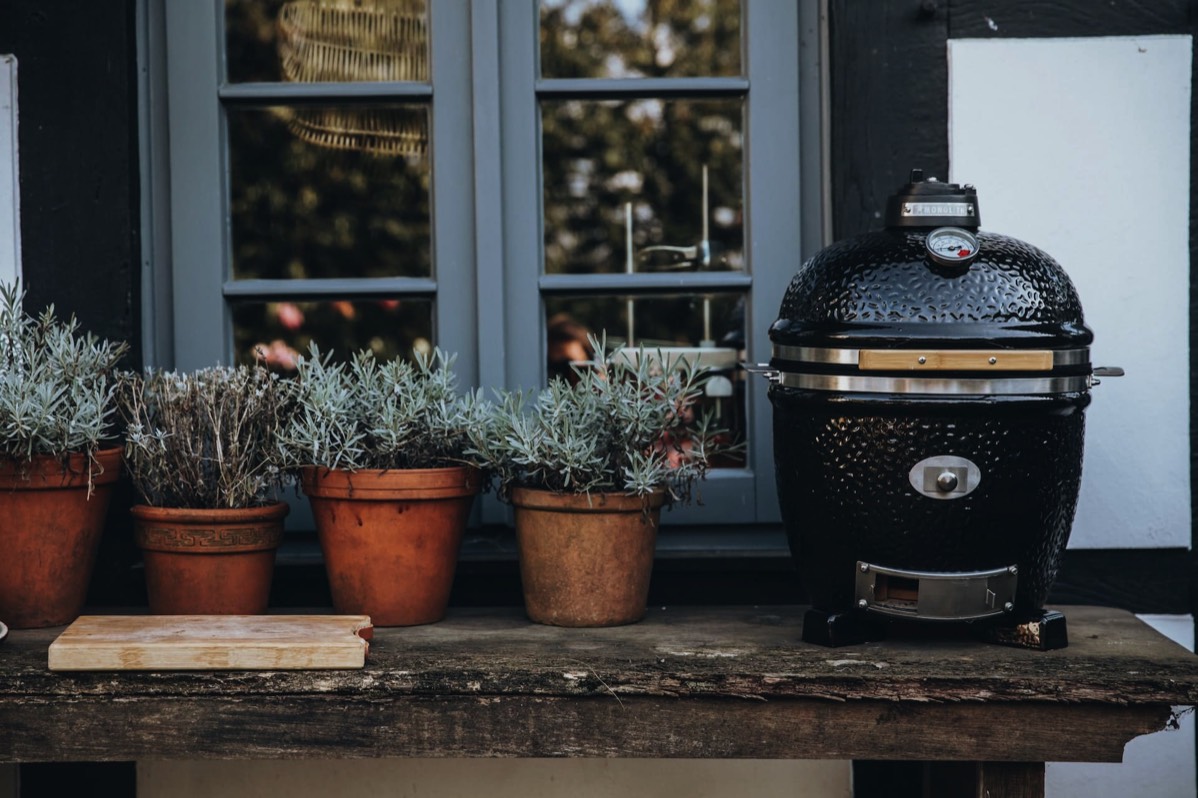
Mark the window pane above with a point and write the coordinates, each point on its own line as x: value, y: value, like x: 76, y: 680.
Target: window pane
x: 314, y: 41
x: 709, y: 329
x: 306, y: 203
x: 640, y: 38
x: 281, y: 330
x: 609, y: 166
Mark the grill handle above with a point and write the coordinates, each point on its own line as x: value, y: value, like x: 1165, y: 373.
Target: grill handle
x: 764, y: 369
x: 1105, y: 371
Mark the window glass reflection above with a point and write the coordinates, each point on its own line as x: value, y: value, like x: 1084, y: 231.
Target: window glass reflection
x: 706, y: 330
x: 305, y: 203
x: 314, y: 41
x: 661, y: 175
x: 275, y: 333
x: 640, y: 38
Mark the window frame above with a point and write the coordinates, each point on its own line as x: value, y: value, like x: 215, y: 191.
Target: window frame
x: 487, y: 200
x: 200, y: 98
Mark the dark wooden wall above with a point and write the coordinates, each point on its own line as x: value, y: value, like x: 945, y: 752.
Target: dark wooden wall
x: 80, y: 214
x: 77, y: 106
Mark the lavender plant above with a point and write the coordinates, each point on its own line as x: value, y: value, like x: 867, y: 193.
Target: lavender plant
x: 367, y: 414
x: 625, y: 425
x: 205, y: 439
x: 56, y: 383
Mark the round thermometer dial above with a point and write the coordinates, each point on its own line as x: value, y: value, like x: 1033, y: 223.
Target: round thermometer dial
x: 952, y: 246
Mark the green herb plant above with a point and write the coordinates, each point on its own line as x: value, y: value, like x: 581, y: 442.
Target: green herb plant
x: 367, y: 414
x: 205, y: 439
x: 56, y: 384
x: 626, y: 424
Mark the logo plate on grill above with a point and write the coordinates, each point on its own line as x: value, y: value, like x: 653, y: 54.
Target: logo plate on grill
x: 945, y: 477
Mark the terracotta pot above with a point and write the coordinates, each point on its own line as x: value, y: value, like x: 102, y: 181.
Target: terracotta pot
x: 585, y: 560
x: 391, y: 538
x: 209, y: 562
x: 49, y: 536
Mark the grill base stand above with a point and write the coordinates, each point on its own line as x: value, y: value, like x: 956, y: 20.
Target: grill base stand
x: 835, y: 629
x: 1041, y: 631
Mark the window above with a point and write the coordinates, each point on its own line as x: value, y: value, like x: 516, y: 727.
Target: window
x: 490, y: 178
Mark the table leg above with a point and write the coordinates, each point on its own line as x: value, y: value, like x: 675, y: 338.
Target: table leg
x: 984, y: 779
x: 1011, y: 780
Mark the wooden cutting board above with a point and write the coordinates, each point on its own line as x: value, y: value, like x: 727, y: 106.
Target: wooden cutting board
x: 212, y: 642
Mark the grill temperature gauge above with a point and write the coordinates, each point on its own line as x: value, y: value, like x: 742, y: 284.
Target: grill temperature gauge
x: 952, y: 246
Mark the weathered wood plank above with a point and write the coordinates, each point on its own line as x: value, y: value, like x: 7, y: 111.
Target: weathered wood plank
x: 379, y: 725
x: 717, y: 652
x: 211, y: 642
x: 688, y: 682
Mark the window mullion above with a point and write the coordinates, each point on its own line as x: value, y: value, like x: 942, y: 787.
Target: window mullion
x: 198, y: 231
x: 773, y: 199
x: 521, y: 211
x: 489, y: 195
x: 452, y: 164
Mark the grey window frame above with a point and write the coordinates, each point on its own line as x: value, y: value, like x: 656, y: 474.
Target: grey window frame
x: 199, y: 97
x: 487, y: 279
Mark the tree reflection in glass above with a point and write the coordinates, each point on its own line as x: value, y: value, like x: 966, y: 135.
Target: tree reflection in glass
x: 640, y: 38
x: 600, y: 156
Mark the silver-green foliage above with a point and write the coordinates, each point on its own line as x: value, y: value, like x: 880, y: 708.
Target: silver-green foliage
x: 205, y: 439
x: 625, y: 425
x: 56, y: 383
x: 367, y: 414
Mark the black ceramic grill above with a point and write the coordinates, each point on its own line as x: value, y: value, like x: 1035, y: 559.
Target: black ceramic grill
x: 929, y: 383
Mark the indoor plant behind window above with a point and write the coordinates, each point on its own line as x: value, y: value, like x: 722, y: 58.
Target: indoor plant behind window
x: 56, y: 407
x: 587, y: 471
x: 380, y: 447
x: 201, y: 448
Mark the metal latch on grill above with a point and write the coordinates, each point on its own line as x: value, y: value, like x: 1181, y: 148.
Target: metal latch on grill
x: 935, y: 596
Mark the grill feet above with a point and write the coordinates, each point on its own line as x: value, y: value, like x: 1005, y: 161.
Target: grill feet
x: 835, y: 629
x: 1043, y: 630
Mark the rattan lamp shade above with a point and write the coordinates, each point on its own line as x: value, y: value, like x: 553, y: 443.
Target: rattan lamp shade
x: 355, y: 41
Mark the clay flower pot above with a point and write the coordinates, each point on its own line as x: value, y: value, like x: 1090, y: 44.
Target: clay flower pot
x: 209, y: 562
x: 50, y: 535
x: 585, y: 560
x: 390, y: 538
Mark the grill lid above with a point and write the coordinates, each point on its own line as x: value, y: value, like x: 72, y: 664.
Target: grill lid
x: 987, y: 313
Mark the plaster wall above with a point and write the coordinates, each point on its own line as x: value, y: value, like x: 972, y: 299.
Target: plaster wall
x: 1082, y: 148
x: 504, y: 778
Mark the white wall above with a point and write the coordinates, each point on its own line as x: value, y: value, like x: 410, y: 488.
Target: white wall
x: 496, y: 778
x: 1082, y: 147
x: 10, y: 198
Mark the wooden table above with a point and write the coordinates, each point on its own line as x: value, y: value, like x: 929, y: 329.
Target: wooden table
x: 684, y: 683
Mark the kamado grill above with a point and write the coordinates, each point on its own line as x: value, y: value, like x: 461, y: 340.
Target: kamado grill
x: 929, y: 383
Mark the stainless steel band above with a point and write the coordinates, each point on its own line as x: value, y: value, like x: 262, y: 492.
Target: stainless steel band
x: 1022, y: 386
x: 851, y: 357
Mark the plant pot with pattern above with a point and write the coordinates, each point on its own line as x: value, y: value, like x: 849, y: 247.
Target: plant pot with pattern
x: 57, y: 461
x: 587, y: 469
x: 202, y: 450
x: 380, y: 450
